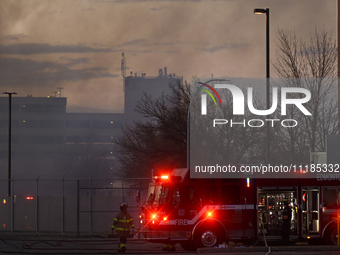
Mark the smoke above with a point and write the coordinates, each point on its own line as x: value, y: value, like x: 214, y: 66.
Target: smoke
x: 77, y: 45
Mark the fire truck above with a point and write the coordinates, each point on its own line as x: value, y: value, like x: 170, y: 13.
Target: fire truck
x: 208, y: 212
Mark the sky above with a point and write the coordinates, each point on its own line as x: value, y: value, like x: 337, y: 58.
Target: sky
x: 77, y: 45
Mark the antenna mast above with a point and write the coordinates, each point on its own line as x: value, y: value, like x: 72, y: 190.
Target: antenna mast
x: 123, y: 69
x: 59, y: 91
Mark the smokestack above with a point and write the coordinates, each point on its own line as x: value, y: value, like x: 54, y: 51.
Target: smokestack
x: 165, y: 72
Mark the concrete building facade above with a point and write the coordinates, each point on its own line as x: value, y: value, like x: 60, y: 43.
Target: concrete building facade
x: 42, y: 132
x: 135, y: 86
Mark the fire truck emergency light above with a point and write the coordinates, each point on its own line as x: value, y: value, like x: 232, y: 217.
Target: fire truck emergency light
x: 164, y: 177
x: 29, y: 198
x: 209, y: 214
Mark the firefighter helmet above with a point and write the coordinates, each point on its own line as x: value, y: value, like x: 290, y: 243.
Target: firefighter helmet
x: 123, y: 206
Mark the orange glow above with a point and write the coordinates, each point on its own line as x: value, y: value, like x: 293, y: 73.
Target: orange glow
x: 4, y: 201
x: 154, y: 216
x: 29, y: 198
x: 308, y: 237
x: 165, y: 218
x: 209, y: 214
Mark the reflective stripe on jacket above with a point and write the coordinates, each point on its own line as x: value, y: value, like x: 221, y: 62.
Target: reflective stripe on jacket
x: 123, y: 221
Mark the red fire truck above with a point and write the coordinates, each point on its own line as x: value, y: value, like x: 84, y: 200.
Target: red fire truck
x: 207, y: 212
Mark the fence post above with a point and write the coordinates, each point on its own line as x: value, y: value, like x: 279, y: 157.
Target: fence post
x: 77, y: 207
x: 90, y: 196
x: 12, y: 206
x: 37, y: 206
x: 62, y: 205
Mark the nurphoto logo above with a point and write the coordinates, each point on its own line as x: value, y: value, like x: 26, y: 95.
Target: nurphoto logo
x: 238, y: 98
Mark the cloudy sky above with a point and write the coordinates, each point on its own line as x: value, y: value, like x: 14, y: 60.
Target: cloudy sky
x: 77, y: 45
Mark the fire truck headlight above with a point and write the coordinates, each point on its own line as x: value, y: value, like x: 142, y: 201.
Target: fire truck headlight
x: 141, y: 222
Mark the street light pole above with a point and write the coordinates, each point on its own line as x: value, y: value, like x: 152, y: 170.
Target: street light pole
x: 266, y: 11
x: 9, y: 138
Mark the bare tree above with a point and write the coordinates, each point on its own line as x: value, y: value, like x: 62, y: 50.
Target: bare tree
x: 312, y: 65
x: 158, y: 142
x: 233, y: 142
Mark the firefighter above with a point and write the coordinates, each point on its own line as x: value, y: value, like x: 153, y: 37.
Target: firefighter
x: 122, y: 223
x: 286, y: 218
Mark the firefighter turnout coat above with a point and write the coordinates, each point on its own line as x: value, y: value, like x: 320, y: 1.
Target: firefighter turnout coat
x: 123, y: 221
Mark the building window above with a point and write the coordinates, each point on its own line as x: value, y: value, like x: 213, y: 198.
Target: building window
x: 43, y: 108
x: 43, y: 124
x: 106, y: 124
x: 78, y: 124
x: 36, y: 139
x: 4, y: 123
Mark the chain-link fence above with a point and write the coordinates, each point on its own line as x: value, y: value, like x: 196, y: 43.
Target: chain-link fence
x: 82, y: 206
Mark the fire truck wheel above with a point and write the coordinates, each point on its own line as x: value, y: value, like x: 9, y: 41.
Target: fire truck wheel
x: 208, y: 237
x: 331, y: 236
x: 188, y: 245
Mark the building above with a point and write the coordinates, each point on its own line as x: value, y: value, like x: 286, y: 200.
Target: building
x: 48, y: 140
x: 138, y: 85
x: 45, y: 137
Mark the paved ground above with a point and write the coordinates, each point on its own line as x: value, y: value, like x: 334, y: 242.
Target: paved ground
x: 28, y: 244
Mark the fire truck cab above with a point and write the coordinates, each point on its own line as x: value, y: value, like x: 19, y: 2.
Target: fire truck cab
x: 208, y: 212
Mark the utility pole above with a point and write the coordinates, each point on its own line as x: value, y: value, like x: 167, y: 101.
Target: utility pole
x: 9, y: 139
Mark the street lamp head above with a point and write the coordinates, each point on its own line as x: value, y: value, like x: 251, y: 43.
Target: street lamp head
x: 260, y: 11
x: 9, y: 93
